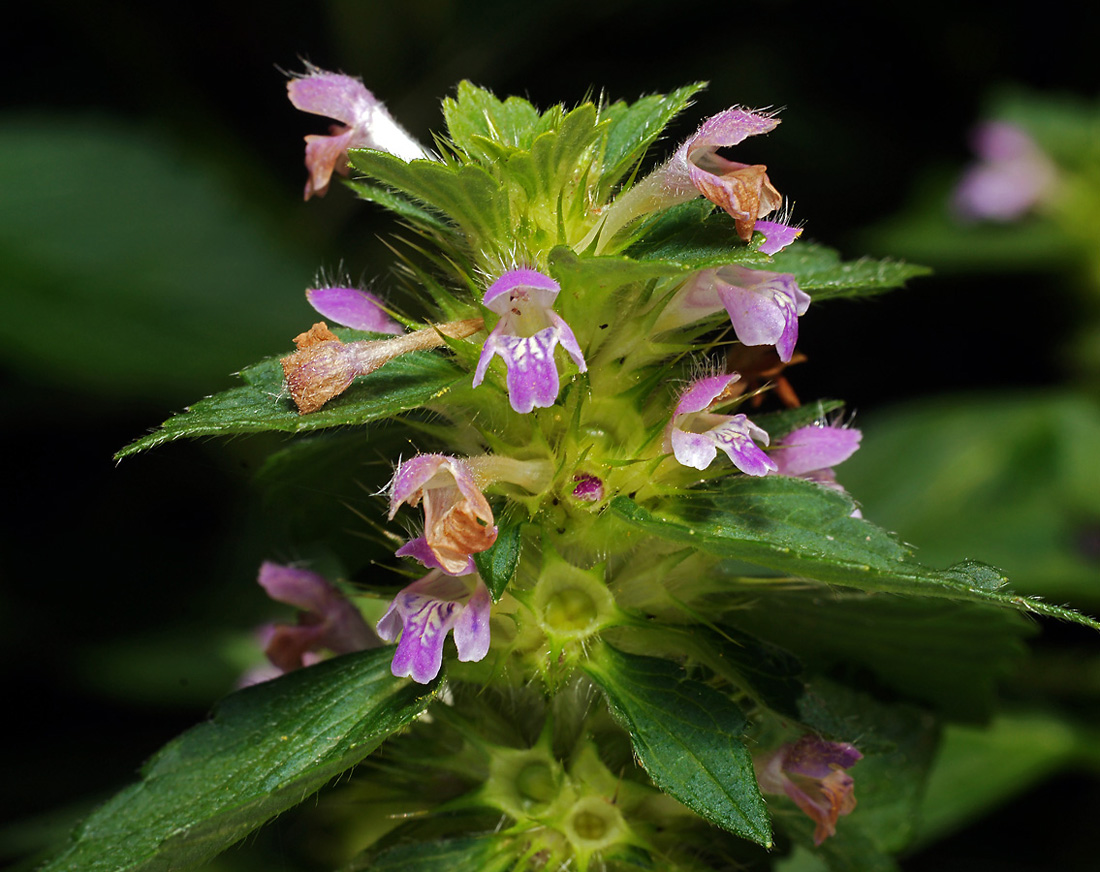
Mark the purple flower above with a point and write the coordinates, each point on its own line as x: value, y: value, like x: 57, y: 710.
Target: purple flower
x: 528, y: 332
x: 777, y: 236
x: 326, y: 621
x: 458, y: 522
x: 695, y: 434
x: 425, y: 611
x: 354, y: 308
x: 811, y: 772
x: 366, y: 124
x: 1012, y: 177
x: 764, y: 307
x: 811, y: 452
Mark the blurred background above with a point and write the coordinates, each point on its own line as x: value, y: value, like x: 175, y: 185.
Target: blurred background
x: 153, y: 240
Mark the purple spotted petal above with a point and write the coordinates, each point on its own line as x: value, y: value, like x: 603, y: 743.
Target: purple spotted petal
x: 735, y: 437
x: 809, y: 450
x: 424, y: 612
x: 471, y: 629
x: 354, y: 308
x: 776, y: 236
x: 532, y: 372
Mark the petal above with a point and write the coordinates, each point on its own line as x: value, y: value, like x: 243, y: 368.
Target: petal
x: 704, y: 391
x: 813, y: 757
x: 810, y: 449
x: 763, y: 307
x: 496, y: 297
x: 776, y: 236
x: 332, y: 95
x: 532, y: 372
x: 568, y: 340
x: 300, y: 588
x: 354, y: 308
x: 324, y: 156
x: 419, y: 654
x: 696, y: 450
x: 735, y: 437
x: 411, y: 477
x: 471, y: 629
x: 418, y: 549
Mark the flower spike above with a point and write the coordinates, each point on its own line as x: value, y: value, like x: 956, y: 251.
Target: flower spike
x: 526, y: 336
x: 424, y: 612
x: 695, y: 434
x: 458, y: 522
x: 811, y: 772
x: 366, y: 124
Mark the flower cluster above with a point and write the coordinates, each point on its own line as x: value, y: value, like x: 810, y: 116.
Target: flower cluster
x: 582, y: 415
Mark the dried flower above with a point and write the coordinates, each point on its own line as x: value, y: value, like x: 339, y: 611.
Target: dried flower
x: 458, y: 522
x: 811, y: 772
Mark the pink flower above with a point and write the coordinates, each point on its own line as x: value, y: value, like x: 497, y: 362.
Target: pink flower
x: 1012, y: 177
x: 694, y: 434
x: 764, y: 307
x: 354, y: 308
x: 811, y: 772
x: 811, y: 452
x: 425, y: 611
x: 327, y: 620
x: 366, y: 124
x: 526, y: 336
x: 458, y: 522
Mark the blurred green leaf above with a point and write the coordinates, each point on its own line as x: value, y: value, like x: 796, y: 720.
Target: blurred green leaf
x: 128, y: 269
x: 1021, y: 474
x: 687, y: 737
x: 265, y: 749
x: 474, y: 854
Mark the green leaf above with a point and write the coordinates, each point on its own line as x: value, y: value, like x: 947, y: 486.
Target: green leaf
x: 266, y: 749
x: 400, y: 206
x: 1021, y: 468
x: 949, y: 655
x: 468, y: 194
x: 491, y: 853
x: 821, y: 273
x: 691, y: 236
x: 978, y: 769
x: 798, y: 528
x: 475, y: 114
x: 498, y: 564
x: 405, y: 383
x: 634, y: 127
x: 687, y: 737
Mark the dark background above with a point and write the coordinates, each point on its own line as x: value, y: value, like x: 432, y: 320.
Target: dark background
x: 94, y: 552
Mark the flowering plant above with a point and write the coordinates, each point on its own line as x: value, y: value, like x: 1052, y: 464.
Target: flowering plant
x: 663, y: 605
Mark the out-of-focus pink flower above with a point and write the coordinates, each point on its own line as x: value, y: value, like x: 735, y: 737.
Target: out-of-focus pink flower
x: 366, y: 124
x: 458, y: 521
x: 327, y: 621
x: 1013, y: 175
x: 425, y: 611
x: 811, y: 452
x: 694, y: 434
x: 526, y: 336
x: 360, y: 310
x: 811, y: 772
